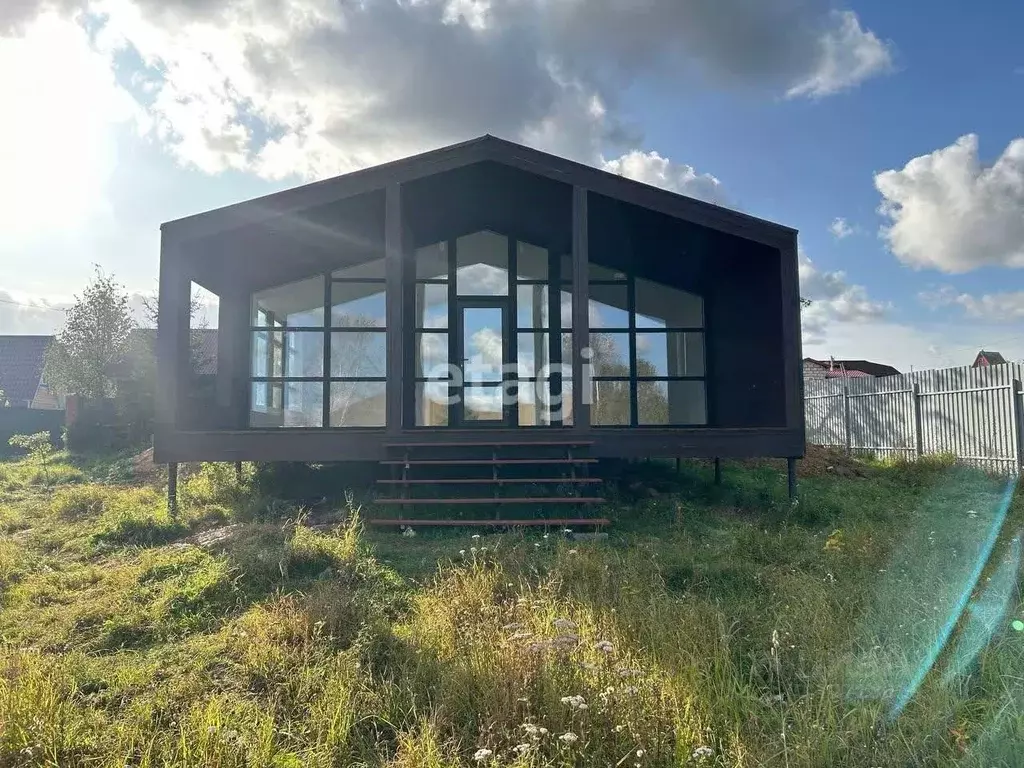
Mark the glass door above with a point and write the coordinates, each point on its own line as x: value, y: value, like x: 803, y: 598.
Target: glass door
x: 483, y: 356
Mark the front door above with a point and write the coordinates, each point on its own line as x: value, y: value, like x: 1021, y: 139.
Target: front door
x: 483, y: 354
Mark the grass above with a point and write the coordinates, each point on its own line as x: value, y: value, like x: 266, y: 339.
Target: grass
x: 716, y: 626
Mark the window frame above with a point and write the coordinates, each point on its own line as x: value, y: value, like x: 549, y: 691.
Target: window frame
x: 328, y: 330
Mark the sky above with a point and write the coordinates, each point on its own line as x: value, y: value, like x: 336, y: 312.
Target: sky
x: 890, y: 134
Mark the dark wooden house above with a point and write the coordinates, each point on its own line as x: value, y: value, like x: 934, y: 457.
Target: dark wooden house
x: 484, y: 293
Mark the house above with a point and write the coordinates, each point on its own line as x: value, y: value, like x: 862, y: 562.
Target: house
x: 21, y: 373
x: 986, y: 358
x: 818, y: 370
x: 483, y: 294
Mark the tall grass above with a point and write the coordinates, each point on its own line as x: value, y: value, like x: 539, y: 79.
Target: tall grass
x: 714, y: 628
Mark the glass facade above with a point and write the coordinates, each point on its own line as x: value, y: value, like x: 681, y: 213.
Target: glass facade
x: 318, y: 352
x: 491, y: 340
x: 647, y: 352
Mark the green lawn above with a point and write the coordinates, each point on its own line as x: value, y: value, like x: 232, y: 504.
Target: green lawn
x: 714, y: 627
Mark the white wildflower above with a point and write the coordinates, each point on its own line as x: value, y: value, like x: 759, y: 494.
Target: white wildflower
x: 566, y: 641
x: 576, y: 702
x: 515, y: 625
x: 475, y: 537
x: 605, y: 646
x: 521, y: 636
x: 568, y: 738
x: 520, y: 749
x: 632, y: 690
x: 473, y: 550
x: 573, y: 552
x: 482, y: 754
x: 623, y: 672
x: 408, y: 533
x: 640, y: 753
x: 701, y: 752
x: 620, y: 728
x: 462, y: 552
x: 562, y: 624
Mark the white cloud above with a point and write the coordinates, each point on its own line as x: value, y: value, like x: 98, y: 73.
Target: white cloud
x: 840, y: 228
x: 22, y: 314
x: 652, y: 168
x: 1007, y: 307
x: 951, y: 213
x: 848, y: 55
x: 833, y: 300
x: 313, y: 88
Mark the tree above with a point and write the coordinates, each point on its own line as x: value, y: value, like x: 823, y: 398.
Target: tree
x: 38, y: 447
x: 85, y: 356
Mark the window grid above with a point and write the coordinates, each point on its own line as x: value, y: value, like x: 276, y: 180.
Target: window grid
x: 276, y: 330
x: 629, y: 280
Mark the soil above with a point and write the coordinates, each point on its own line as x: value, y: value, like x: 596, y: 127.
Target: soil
x: 818, y: 461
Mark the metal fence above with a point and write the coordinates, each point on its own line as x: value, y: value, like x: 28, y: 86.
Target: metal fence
x: 976, y: 414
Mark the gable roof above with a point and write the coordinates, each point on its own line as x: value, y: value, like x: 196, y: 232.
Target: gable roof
x: 859, y: 366
x: 481, y: 149
x: 990, y: 357
x: 21, y: 367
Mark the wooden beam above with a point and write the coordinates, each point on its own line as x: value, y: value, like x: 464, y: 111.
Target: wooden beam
x: 793, y: 380
x: 397, y: 389
x: 580, y: 308
x: 172, y: 337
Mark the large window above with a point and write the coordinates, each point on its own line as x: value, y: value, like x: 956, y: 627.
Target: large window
x: 647, y: 346
x: 319, y: 351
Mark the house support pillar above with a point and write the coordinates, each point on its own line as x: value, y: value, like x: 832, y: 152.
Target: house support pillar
x: 172, y: 488
x: 791, y: 477
x: 395, y: 386
x: 581, y: 366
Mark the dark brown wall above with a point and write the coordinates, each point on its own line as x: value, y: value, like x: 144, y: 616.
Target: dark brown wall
x: 745, y: 350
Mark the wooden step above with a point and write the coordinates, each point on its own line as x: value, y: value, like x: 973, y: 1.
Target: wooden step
x: 533, y: 522
x: 490, y: 481
x: 498, y: 444
x: 500, y: 500
x: 460, y: 462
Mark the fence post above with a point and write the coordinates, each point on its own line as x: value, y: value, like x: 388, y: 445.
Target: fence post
x: 1015, y: 398
x: 846, y: 417
x: 915, y: 400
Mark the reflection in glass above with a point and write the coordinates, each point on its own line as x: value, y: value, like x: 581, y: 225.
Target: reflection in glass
x: 482, y: 264
x: 357, y: 404
x: 531, y: 262
x: 610, y: 353
x: 610, y: 403
x: 661, y: 306
x: 431, y: 306
x: 609, y: 306
x: 482, y: 403
x: 287, y: 404
x: 484, y: 348
x: 674, y: 403
x: 359, y: 354
x: 432, y: 262
x: 432, y: 404
x: 358, y: 305
x: 533, y: 354
x: 431, y: 355
x: 293, y: 305
x: 670, y: 354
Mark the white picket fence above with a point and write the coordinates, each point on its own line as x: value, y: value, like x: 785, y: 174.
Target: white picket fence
x: 977, y: 414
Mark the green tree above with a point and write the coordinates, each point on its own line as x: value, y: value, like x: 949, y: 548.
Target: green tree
x: 85, y: 357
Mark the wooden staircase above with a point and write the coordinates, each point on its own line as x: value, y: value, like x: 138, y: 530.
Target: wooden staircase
x: 484, y: 479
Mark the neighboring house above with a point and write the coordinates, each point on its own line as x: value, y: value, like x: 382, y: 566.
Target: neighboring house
x: 460, y: 297
x: 21, y: 373
x: 22, y: 359
x: 986, y: 358
x: 817, y: 370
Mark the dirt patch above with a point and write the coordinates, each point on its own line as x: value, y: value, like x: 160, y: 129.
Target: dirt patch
x: 145, y: 471
x: 818, y: 461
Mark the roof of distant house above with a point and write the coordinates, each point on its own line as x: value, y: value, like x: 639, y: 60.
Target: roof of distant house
x: 990, y: 357
x: 21, y: 366
x: 854, y: 367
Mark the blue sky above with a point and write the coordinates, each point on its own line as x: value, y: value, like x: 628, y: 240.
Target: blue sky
x: 127, y: 113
